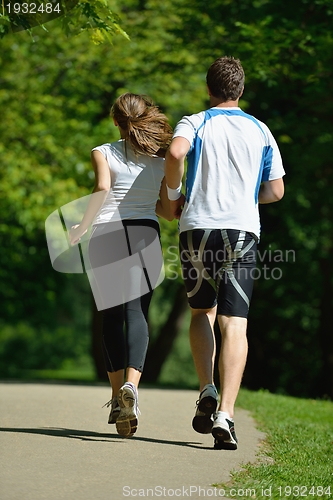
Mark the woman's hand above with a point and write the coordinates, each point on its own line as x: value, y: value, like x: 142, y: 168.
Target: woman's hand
x: 176, y: 207
x: 75, y: 234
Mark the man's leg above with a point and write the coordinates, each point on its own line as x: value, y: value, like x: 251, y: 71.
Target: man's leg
x: 232, y: 359
x: 234, y: 296
x: 202, y: 342
x: 231, y: 367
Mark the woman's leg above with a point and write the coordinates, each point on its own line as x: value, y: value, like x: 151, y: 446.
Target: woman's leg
x: 116, y: 380
x: 136, y: 312
x: 117, y: 351
x: 137, y: 335
x: 114, y: 347
x: 140, y: 235
x: 136, y: 320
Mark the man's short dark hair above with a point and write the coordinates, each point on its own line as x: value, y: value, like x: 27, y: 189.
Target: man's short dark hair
x: 225, y: 78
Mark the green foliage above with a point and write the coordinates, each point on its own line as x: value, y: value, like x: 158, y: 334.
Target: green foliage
x: 178, y: 370
x: 297, y: 451
x: 294, y: 105
x: 23, y: 347
x: 76, y: 17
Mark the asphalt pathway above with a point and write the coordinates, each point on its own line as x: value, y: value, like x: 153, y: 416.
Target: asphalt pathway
x: 56, y: 444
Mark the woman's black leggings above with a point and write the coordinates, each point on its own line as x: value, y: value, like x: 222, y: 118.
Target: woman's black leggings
x: 128, y: 349
x: 125, y: 326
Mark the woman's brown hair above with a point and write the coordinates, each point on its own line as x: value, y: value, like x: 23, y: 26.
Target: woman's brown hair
x: 145, y: 128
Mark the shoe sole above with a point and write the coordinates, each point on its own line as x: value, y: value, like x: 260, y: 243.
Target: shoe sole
x: 222, y: 445
x: 224, y: 439
x: 127, y: 422
x: 203, y: 423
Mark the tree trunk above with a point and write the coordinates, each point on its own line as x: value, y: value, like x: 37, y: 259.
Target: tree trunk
x: 160, y: 349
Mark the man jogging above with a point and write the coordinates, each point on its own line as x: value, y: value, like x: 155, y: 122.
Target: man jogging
x: 233, y: 165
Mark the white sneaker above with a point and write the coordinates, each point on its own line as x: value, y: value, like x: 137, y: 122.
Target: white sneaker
x: 223, y: 431
x: 127, y: 422
x: 206, y: 405
x: 115, y: 410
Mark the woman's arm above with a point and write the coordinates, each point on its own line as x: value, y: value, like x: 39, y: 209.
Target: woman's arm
x: 163, y: 204
x: 99, y: 194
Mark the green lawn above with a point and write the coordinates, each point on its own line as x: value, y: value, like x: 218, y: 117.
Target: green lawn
x: 299, y: 445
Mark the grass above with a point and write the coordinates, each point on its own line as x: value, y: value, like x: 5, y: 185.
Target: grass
x: 298, y: 451
x: 299, y: 445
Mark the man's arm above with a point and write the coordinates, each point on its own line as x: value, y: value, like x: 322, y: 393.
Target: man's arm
x: 174, y: 161
x: 174, y: 170
x: 271, y: 191
x: 163, y: 208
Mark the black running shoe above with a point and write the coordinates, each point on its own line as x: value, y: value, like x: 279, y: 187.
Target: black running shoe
x: 206, y: 405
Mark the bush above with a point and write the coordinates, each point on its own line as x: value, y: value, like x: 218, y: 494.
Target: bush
x: 25, y: 348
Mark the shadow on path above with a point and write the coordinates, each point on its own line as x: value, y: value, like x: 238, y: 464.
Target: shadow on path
x: 97, y: 436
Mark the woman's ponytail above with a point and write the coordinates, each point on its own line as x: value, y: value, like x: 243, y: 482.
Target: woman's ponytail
x: 145, y: 128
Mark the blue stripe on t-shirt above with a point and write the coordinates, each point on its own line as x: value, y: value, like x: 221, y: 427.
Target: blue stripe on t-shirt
x: 268, y: 154
x: 193, y: 161
x: 192, y: 166
x: 265, y: 169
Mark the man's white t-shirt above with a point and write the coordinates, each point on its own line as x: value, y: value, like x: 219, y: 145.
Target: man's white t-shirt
x: 135, y: 184
x: 231, y: 154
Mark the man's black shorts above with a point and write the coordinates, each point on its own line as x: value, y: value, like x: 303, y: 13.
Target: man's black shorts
x: 218, y: 267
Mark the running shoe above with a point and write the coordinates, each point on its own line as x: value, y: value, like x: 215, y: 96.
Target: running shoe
x: 206, y: 405
x: 127, y: 422
x: 115, y: 410
x: 223, y: 431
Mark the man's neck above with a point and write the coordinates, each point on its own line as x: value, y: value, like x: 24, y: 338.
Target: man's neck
x: 215, y: 102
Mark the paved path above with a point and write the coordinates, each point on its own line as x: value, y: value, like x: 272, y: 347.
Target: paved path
x: 56, y: 444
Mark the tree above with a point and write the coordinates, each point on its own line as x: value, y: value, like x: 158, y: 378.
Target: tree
x: 94, y: 16
x: 49, y: 113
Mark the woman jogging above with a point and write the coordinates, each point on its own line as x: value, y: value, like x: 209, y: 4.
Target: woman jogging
x: 129, y: 193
